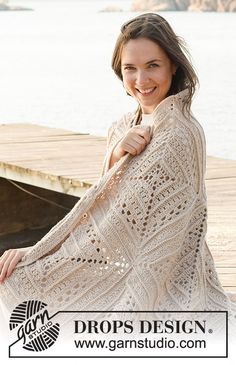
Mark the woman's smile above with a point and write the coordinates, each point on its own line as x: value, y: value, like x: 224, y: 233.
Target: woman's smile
x: 146, y: 92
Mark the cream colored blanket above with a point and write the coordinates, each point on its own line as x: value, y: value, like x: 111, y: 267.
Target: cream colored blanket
x: 136, y: 240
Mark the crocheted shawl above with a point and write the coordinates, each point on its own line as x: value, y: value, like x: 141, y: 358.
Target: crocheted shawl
x: 136, y: 239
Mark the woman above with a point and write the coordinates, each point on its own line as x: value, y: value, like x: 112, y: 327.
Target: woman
x: 136, y: 240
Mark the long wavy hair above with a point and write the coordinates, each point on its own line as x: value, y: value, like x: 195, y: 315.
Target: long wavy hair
x: 155, y: 28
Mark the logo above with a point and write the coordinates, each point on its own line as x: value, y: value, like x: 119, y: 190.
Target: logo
x: 34, y: 326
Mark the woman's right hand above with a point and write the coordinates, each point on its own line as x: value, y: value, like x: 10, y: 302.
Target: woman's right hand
x: 134, y: 142
x: 9, y: 260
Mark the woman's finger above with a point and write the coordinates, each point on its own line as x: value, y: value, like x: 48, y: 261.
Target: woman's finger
x: 129, y: 138
x: 4, y: 257
x: 144, y: 131
x: 139, y: 139
x: 130, y: 149
x: 133, y: 147
x: 18, y: 256
x: 6, y: 264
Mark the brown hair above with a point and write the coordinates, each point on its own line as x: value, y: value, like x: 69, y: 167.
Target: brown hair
x: 155, y: 28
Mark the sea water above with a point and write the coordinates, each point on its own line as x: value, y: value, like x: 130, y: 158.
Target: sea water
x: 55, y: 67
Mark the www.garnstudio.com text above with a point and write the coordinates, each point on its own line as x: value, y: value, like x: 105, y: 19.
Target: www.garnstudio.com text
x: 162, y: 343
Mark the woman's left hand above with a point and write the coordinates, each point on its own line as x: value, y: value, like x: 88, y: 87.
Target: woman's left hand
x: 9, y: 260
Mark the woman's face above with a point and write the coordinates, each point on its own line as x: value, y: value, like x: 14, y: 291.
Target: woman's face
x: 147, y: 72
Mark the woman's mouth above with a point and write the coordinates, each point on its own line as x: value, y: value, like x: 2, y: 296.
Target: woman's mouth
x: 146, y: 92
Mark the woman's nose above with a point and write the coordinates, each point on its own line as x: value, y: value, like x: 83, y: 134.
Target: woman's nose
x: 142, y: 77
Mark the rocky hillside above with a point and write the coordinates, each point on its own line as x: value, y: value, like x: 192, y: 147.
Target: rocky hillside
x: 4, y: 5
x: 184, y: 5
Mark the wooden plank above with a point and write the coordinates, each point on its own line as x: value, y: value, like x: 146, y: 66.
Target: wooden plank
x: 39, y: 155
x: 219, y: 168
x: 227, y: 278
x: 227, y: 259
x: 221, y: 232
x: 229, y: 289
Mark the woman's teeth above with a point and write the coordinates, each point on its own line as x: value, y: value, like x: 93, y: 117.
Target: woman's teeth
x: 147, y: 91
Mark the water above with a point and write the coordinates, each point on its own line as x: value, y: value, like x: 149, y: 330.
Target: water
x: 55, y: 68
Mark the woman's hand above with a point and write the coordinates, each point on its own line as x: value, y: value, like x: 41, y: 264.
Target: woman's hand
x: 134, y: 142
x: 9, y: 260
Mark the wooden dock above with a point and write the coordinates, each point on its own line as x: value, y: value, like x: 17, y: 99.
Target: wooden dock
x: 221, y: 232
x: 70, y: 163
x: 50, y: 158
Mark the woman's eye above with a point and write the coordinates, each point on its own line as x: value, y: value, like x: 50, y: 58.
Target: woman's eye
x: 153, y: 65
x: 129, y: 68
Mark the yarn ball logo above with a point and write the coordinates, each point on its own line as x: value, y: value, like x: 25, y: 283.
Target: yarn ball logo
x: 34, y: 326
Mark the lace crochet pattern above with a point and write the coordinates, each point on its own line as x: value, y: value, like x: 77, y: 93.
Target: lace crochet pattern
x: 136, y: 240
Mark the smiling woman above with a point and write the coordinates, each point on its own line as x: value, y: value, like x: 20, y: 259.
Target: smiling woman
x: 136, y: 240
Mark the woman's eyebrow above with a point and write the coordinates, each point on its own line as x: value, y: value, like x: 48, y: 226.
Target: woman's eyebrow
x: 156, y: 60
x: 131, y: 64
